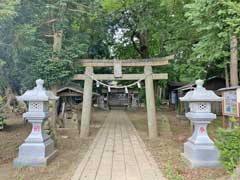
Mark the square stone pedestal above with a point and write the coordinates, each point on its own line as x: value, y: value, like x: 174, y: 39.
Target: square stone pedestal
x: 35, y: 154
x: 200, y: 155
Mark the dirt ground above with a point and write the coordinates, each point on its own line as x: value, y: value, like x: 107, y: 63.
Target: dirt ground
x: 71, y: 150
x: 167, y: 149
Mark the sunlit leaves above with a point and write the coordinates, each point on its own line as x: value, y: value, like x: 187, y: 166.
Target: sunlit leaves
x: 53, y: 71
x: 232, y: 15
x: 24, y: 37
x: 196, y: 31
x: 2, y: 62
x: 8, y: 8
x: 117, y: 5
x: 215, y: 21
x: 229, y: 146
x: 26, y: 41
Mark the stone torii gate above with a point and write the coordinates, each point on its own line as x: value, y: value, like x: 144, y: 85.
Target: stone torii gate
x: 89, y: 75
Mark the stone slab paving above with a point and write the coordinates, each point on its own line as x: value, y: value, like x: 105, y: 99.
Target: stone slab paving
x: 117, y: 153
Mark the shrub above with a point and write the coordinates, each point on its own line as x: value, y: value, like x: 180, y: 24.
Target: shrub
x: 171, y: 173
x: 228, y: 143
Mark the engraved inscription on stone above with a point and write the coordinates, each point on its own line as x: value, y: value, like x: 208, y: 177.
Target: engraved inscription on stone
x: 36, y: 128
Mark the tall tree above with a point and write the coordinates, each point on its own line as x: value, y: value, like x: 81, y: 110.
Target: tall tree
x: 234, y: 60
x: 7, y: 13
x: 218, y: 24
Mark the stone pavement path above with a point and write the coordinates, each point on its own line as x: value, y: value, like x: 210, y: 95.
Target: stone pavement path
x: 117, y: 153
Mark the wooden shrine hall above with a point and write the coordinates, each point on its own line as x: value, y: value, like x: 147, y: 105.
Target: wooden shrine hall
x: 148, y: 76
x: 118, y: 98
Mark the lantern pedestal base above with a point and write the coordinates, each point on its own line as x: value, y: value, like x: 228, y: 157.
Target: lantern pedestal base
x: 35, y: 154
x: 197, y: 155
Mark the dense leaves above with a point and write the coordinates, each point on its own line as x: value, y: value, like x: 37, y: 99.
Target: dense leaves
x: 197, y: 32
x: 7, y: 9
x: 27, y: 40
x: 229, y: 145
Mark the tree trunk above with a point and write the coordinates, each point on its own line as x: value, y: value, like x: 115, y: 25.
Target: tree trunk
x: 57, y: 46
x: 9, y: 93
x: 53, y: 112
x: 10, y: 100
x: 144, y: 44
x: 161, y: 44
x: 226, y: 75
x: 57, y: 41
x: 234, y: 61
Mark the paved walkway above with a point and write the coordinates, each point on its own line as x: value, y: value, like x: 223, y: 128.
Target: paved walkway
x: 117, y: 153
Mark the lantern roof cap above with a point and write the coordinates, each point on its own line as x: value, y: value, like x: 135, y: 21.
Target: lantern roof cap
x: 38, y: 93
x: 200, y: 94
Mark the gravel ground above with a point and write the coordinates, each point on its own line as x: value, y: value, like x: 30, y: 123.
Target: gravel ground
x: 167, y: 148
x: 71, y: 150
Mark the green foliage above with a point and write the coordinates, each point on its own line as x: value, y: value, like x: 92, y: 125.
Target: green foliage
x: 114, y: 5
x: 197, y: 32
x: 232, y: 119
x: 1, y: 101
x: 2, y: 63
x: 8, y: 9
x: 214, y: 21
x: 110, y: 5
x: 231, y: 13
x: 53, y: 71
x: 170, y: 172
x: 26, y: 41
x: 228, y: 144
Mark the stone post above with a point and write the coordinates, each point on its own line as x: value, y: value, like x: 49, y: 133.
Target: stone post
x: 38, y: 148
x: 87, y: 103
x: 150, y: 101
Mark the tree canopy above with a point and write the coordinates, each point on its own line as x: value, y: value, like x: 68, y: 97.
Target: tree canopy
x: 43, y: 39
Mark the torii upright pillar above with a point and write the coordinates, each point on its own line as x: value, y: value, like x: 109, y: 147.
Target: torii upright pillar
x: 87, y: 103
x: 151, y: 109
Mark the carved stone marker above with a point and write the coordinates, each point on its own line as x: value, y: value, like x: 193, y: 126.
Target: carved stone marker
x: 101, y: 103
x: 199, y: 150
x: 117, y: 69
x: 134, y: 102
x: 38, y: 148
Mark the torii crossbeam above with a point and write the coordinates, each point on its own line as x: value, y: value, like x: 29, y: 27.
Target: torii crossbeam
x: 89, y: 75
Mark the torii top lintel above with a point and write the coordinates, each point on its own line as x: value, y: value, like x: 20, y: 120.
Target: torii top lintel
x: 128, y: 62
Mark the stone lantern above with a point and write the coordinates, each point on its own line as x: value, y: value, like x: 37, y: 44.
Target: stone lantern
x: 38, y: 147
x: 199, y: 150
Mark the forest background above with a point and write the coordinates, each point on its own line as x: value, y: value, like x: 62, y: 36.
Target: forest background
x: 46, y: 38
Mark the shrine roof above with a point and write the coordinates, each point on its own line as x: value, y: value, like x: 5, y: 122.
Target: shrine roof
x: 185, y: 87
x: 73, y: 87
x: 229, y: 88
x: 200, y: 94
